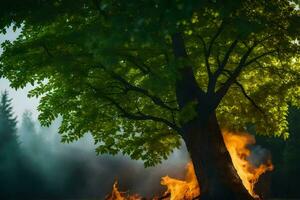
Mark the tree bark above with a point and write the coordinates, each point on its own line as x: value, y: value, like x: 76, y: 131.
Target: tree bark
x: 214, y: 169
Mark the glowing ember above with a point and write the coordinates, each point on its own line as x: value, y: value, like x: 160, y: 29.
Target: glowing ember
x: 249, y: 166
x: 178, y: 189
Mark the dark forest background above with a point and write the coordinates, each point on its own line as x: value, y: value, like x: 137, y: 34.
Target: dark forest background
x: 34, y: 164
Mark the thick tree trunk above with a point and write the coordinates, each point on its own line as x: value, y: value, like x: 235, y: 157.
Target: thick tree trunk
x: 215, y: 172
x: 214, y: 169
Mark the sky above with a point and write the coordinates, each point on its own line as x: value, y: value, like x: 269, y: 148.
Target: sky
x: 20, y: 101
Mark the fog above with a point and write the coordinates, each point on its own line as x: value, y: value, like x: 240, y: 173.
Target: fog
x: 75, y: 171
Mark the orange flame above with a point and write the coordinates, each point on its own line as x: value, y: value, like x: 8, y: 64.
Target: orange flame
x: 117, y: 195
x: 237, y: 145
x: 178, y: 189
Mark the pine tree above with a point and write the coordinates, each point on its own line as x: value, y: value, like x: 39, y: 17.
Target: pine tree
x: 9, y: 147
x: 28, y: 136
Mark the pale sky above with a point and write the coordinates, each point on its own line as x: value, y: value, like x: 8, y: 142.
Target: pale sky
x: 20, y: 101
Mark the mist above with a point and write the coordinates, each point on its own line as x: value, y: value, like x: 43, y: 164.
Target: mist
x: 74, y: 171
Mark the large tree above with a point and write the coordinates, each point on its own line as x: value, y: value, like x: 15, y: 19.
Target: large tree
x: 140, y: 75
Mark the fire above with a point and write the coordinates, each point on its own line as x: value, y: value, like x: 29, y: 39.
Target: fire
x: 239, y: 147
x: 117, y: 195
x: 186, y: 189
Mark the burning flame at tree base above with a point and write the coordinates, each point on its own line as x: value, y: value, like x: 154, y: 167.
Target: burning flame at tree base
x: 116, y: 195
x: 186, y: 189
x: 238, y: 146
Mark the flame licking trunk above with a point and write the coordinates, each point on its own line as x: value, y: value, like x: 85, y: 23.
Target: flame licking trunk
x: 249, y: 163
x: 238, y: 145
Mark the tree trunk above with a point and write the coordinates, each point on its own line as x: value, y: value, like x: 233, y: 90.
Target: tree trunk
x: 214, y: 169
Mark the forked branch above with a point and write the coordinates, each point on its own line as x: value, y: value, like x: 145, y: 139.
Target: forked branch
x: 130, y: 87
x: 248, y: 97
x: 138, y: 116
x: 236, y: 72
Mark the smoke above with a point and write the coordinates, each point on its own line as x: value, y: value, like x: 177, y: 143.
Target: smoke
x: 74, y: 171
x: 259, y: 155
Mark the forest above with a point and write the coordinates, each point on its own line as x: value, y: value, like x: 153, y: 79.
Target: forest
x: 36, y: 165
x: 144, y: 78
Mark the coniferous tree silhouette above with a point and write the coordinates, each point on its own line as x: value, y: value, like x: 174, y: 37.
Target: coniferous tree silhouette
x: 9, y: 147
x: 8, y: 137
x: 31, y: 141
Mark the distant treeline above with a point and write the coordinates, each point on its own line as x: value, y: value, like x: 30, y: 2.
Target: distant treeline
x: 31, y: 166
x: 34, y: 164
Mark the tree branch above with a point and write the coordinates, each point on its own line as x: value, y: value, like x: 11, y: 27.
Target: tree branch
x: 245, y: 94
x: 260, y: 56
x: 144, y: 68
x: 187, y: 88
x: 130, y: 87
x: 248, y: 97
x: 221, y: 67
x: 141, y: 116
x: 214, y: 38
x: 226, y: 58
x: 206, y: 55
x: 223, y: 90
x: 211, y: 80
x: 278, y: 71
x: 207, y: 51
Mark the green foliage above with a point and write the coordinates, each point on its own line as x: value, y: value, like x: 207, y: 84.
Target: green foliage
x: 285, y: 158
x: 108, y: 67
x: 9, y: 146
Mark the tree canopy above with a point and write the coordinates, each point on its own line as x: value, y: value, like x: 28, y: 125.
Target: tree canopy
x: 108, y: 68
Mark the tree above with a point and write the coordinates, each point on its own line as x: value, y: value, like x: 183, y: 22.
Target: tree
x: 285, y: 158
x: 8, y: 139
x: 140, y: 75
x: 9, y: 147
x: 30, y: 139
